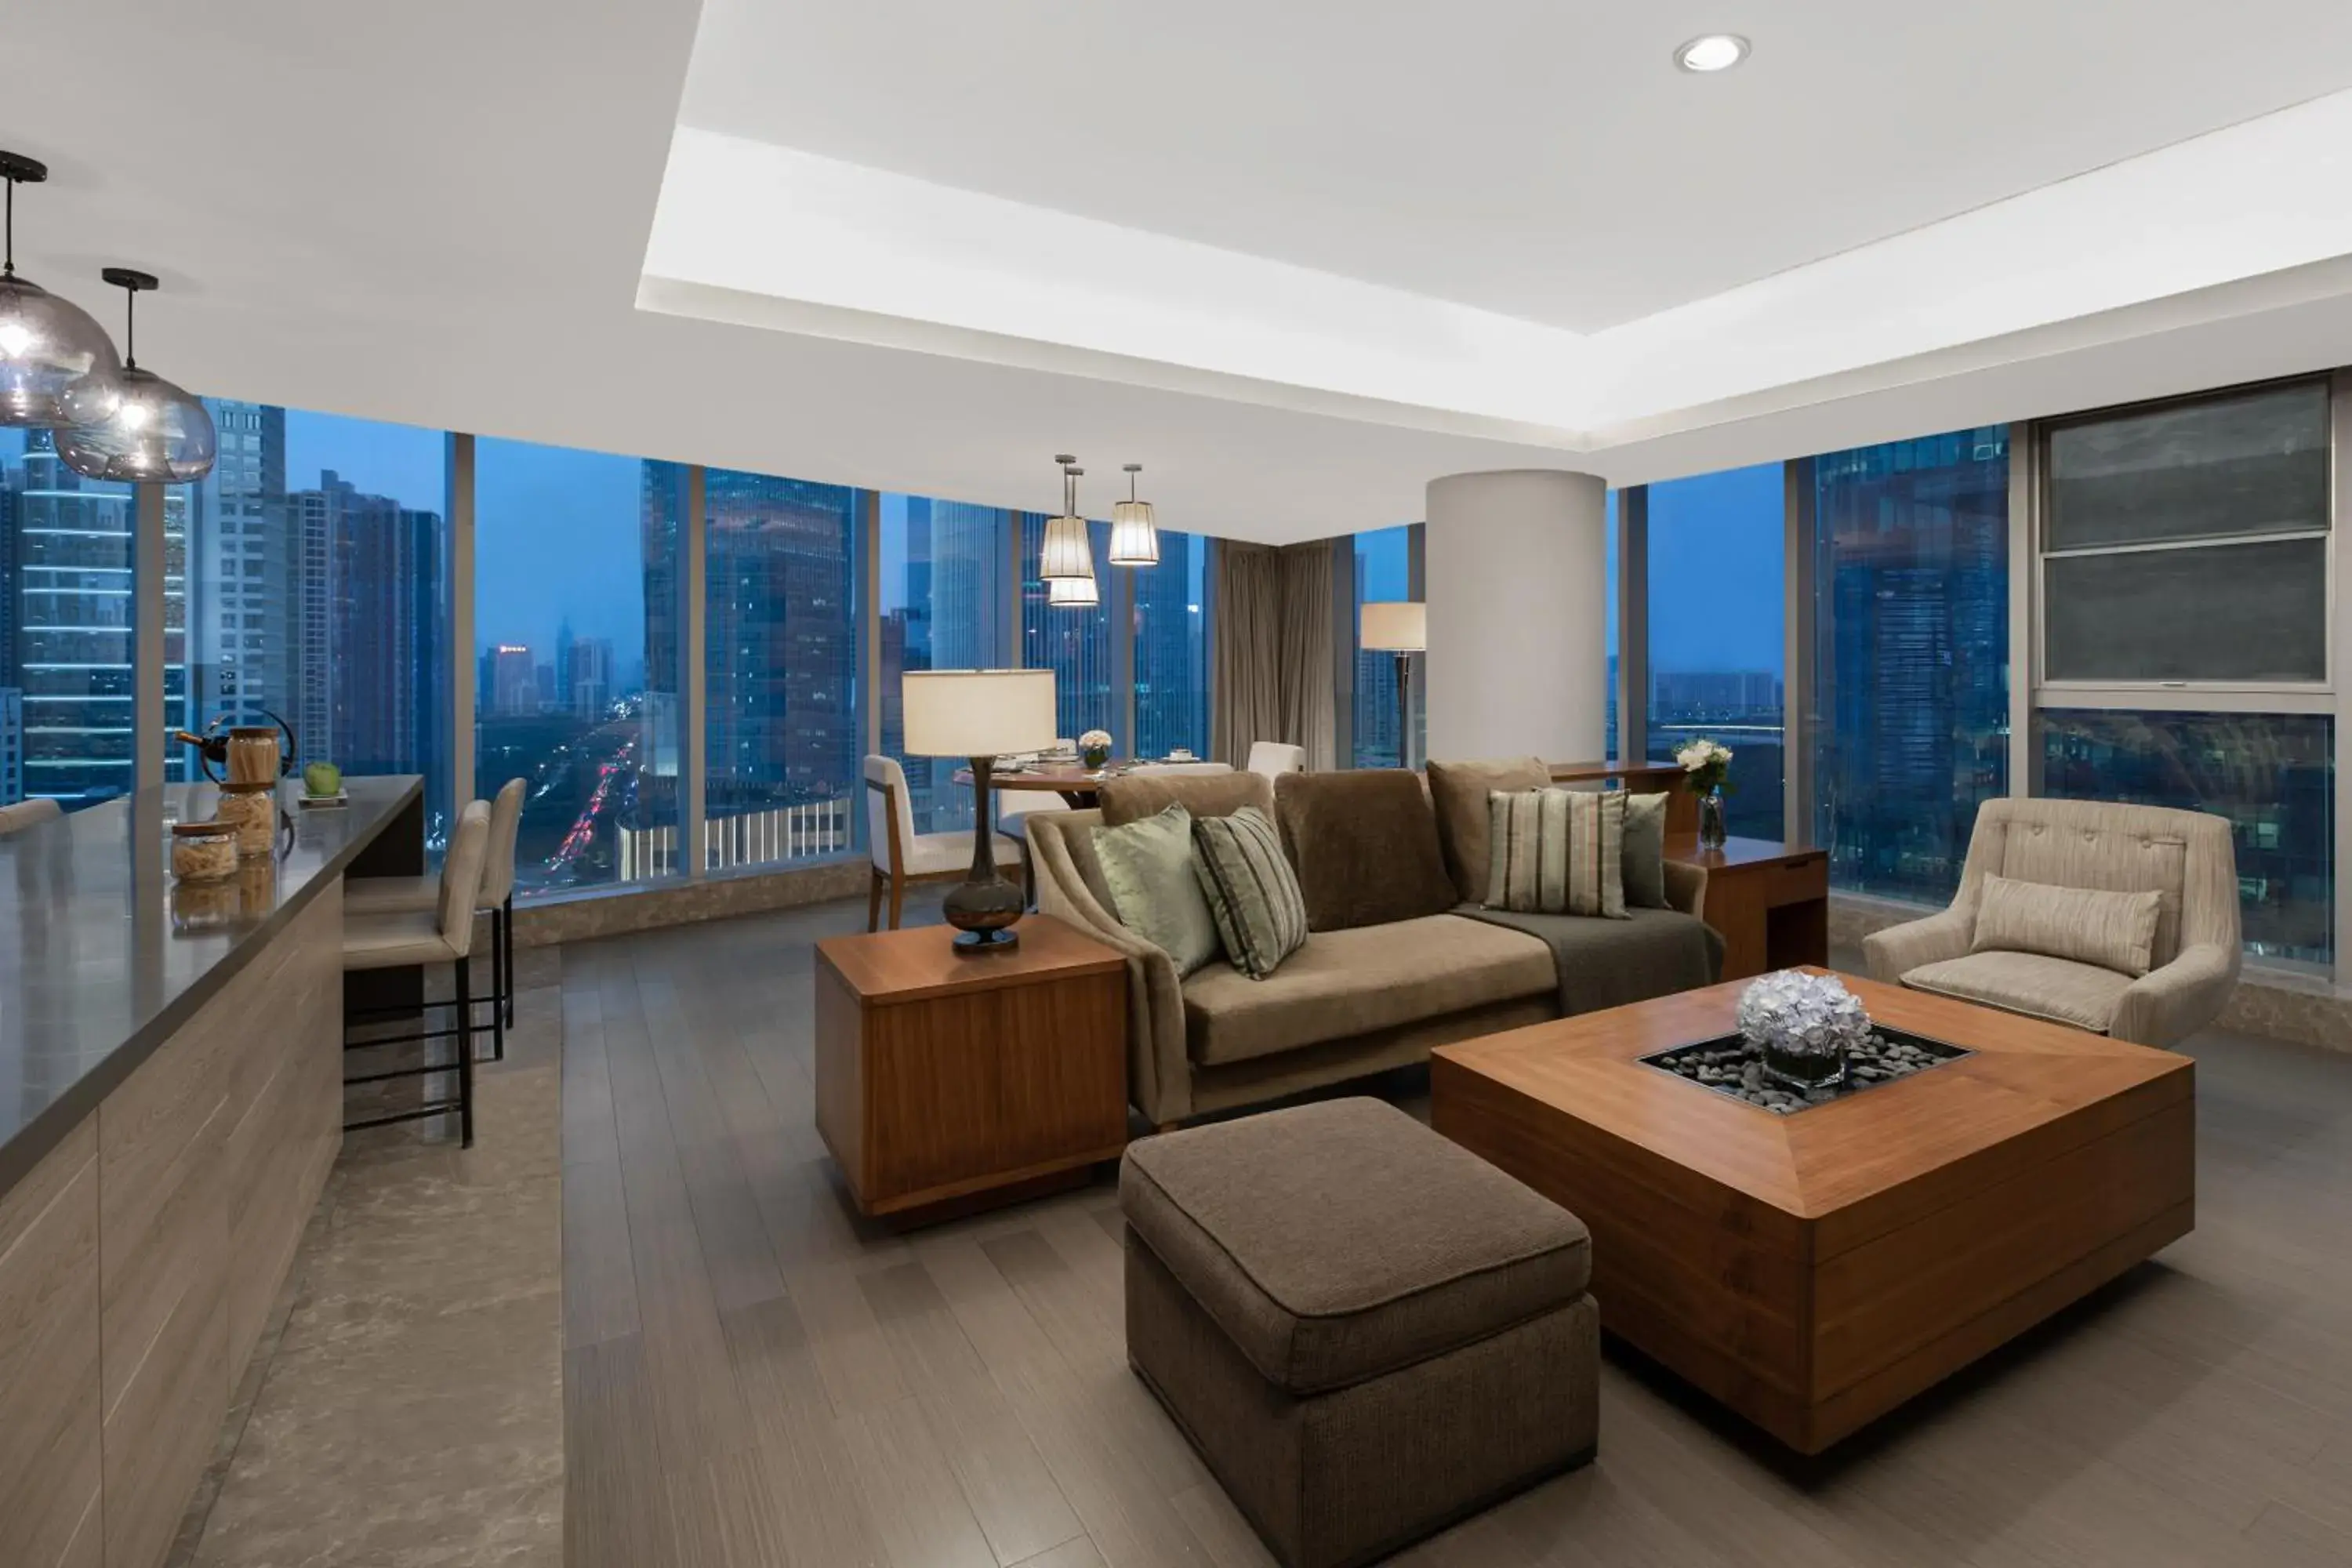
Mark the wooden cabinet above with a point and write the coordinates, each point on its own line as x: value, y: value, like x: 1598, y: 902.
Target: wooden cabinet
x: 940, y: 1078
x: 1769, y: 904
x: 48, y: 1359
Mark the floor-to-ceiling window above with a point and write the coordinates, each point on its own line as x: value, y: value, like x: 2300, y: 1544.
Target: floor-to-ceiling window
x: 2184, y: 555
x: 1383, y: 568
x: 1608, y: 629
x: 946, y: 602
x: 566, y: 546
x: 780, y: 621
x: 1171, y: 612
x: 1910, y: 698
x: 1074, y: 642
x: 1717, y: 548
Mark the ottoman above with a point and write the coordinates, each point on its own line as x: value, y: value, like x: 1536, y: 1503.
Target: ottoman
x: 1367, y: 1330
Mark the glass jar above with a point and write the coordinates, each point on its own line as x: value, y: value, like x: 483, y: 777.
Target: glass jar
x: 252, y: 810
x: 203, y: 851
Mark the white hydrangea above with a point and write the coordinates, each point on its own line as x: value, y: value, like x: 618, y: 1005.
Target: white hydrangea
x: 1703, y: 754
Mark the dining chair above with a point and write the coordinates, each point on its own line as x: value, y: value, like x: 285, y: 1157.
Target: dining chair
x: 28, y: 814
x: 900, y: 855
x: 407, y: 939
x: 1274, y: 759
x: 411, y: 895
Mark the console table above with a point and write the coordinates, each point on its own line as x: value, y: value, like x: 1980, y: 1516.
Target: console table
x: 1769, y: 904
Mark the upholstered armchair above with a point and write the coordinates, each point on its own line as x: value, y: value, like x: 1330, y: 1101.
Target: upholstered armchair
x: 2184, y: 856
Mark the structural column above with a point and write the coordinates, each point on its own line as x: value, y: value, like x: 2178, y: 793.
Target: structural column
x: 1518, y: 583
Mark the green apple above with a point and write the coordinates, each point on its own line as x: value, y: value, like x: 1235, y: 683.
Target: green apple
x: 322, y: 778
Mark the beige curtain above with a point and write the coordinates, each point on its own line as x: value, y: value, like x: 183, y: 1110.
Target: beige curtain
x: 1272, y: 668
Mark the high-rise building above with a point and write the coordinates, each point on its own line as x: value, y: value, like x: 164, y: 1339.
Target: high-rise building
x: 588, y: 664
x: 12, y: 745
x: 514, y: 683
x: 385, y: 629
x: 243, y: 578
x: 1171, y: 672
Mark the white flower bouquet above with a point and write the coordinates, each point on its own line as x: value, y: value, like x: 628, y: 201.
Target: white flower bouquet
x: 1704, y: 764
x: 1093, y: 748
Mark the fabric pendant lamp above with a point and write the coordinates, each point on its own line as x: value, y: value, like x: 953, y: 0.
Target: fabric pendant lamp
x: 1072, y: 593
x: 156, y: 433
x: 978, y: 715
x: 1400, y: 626
x: 1067, y: 553
x: 57, y: 366
x: 1134, y: 535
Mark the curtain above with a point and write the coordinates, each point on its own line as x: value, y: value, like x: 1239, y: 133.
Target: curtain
x: 1272, y: 669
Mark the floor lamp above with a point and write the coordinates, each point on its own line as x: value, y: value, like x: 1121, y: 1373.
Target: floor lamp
x: 1400, y: 626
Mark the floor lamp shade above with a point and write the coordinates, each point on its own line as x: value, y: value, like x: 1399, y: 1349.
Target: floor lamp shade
x: 978, y: 712
x: 1397, y: 626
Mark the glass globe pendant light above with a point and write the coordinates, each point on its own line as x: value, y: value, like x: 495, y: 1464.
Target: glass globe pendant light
x: 57, y: 366
x: 1067, y: 553
x: 1134, y: 538
x: 156, y: 432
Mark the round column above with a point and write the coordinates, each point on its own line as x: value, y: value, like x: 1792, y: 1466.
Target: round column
x: 1516, y: 580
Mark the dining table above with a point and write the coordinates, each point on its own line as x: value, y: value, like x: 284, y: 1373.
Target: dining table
x: 1078, y: 784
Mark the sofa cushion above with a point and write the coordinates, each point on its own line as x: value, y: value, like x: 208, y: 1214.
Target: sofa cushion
x: 1458, y: 791
x: 1154, y: 891
x: 2033, y: 983
x: 1558, y: 852
x: 1338, y: 1241
x: 1364, y: 843
x: 1346, y: 982
x: 1131, y: 797
x: 1252, y: 892
x: 1645, y: 851
x: 2113, y: 931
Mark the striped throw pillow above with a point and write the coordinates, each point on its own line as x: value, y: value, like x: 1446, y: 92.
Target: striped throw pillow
x: 1253, y: 893
x: 1556, y: 852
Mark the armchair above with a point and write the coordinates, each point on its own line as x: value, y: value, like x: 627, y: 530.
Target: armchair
x: 2185, y: 855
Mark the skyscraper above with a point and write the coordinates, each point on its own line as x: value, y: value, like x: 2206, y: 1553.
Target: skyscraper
x: 1171, y: 675
x: 383, y: 624
x: 244, y: 648
x: 588, y: 662
x: 514, y: 684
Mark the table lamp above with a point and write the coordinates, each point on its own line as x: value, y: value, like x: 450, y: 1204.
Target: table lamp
x: 1401, y: 626
x: 979, y: 714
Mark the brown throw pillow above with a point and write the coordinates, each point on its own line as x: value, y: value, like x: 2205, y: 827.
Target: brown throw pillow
x: 1133, y: 798
x: 1365, y: 847
x: 1459, y: 791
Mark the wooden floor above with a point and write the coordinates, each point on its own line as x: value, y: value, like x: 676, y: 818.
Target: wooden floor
x: 755, y: 1377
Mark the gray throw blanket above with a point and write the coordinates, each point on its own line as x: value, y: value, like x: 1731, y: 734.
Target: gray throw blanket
x: 1607, y: 963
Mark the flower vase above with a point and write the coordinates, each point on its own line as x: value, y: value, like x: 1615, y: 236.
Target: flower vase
x: 1711, y: 833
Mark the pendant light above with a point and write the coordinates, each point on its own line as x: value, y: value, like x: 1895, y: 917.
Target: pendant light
x: 156, y: 432
x: 1072, y: 593
x: 58, y: 367
x: 1134, y: 538
x: 1067, y: 553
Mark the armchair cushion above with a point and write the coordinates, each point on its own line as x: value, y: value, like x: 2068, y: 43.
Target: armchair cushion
x: 1458, y: 791
x: 1364, y: 844
x: 2033, y: 984
x: 2113, y: 931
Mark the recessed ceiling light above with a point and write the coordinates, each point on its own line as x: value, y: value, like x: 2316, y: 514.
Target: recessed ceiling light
x: 1714, y: 52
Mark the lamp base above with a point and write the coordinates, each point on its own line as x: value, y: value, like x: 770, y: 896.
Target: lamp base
x: 979, y: 943
x: 982, y: 912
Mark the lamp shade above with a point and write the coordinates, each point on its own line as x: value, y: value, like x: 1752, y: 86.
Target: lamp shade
x: 1065, y: 550
x: 57, y: 366
x: 156, y: 433
x: 1399, y: 625
x: 978, y: 712
x: 1134, y: 539
x: 1072, y: 593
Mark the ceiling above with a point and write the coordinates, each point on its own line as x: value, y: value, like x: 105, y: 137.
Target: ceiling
x: 1298, y: 260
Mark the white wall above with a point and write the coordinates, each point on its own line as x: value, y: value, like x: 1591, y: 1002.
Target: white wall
x: 1517, y: 592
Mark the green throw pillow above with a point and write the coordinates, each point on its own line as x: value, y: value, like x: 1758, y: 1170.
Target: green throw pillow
x: 1251, y: 891
x: 1645, y: 851
x: 1147, y: 866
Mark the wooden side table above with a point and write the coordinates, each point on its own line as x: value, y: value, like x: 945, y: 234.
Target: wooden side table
x: 1770, y: 902
x: 946, y: 1083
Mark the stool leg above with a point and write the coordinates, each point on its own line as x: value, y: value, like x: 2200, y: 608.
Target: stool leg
x: 465, y: 1057
x: 505, y: 930
x: 501, y: 978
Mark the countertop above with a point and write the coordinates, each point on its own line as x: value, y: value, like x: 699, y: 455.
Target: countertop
x: 102, y: 958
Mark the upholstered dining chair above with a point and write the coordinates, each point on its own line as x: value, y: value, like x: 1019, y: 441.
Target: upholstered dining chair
x: 901, y: 855
x: 1274, y: 759
x: 412, y: 895
x: 28, y: 814
x: 2098, y: 963
x: 404, y: 939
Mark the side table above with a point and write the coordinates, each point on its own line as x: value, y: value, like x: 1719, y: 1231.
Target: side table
x: 1770, y: 903
x: 946, y: 1083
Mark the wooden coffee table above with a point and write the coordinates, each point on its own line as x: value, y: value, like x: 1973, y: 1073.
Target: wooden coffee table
x: 1815, y: 1270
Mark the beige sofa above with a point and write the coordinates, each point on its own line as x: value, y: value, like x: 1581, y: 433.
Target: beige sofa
x: 1351, y: 1002
x: 2185, y: 855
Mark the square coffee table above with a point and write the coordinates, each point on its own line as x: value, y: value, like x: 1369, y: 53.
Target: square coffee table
x: 1815, y: 1268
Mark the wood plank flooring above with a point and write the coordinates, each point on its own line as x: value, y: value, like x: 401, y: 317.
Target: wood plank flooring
x: 755, y: 1377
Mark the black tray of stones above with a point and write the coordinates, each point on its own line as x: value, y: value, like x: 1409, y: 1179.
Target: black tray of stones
x: 1730, y: 1065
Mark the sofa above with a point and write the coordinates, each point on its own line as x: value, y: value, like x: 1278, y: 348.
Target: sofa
x: 2185, y: 856
x: 1363, y: 994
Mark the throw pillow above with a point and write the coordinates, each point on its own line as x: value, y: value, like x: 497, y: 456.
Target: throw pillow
x: 1131, y: 797
x: 1364, y: 845
x: 1645, y: 851
x: 1556, y: 852
x: 2113, y: 931
x: 1148, y: 867
x: 1459, y: 792
x: 1253, y: 896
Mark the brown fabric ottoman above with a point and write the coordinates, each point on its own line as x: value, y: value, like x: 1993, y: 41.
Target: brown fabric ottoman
x: 1367, y: 1330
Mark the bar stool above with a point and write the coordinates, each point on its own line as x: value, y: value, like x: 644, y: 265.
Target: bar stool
x: 417, y: 895
x: 404, y: 939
